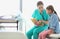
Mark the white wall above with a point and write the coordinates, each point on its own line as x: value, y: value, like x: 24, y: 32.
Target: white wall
x: 28, y: 8
x: 9, y: 7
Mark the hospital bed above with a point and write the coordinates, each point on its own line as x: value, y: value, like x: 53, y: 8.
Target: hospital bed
x: 54, y: 36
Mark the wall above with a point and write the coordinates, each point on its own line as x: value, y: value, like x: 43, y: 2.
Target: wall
x: 9, y: 7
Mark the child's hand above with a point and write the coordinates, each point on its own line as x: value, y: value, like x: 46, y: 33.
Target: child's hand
x: 50, y: 31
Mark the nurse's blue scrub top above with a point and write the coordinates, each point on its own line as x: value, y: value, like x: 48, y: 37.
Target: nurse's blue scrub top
x: 40, y: 16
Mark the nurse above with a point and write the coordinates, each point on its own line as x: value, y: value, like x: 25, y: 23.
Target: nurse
x: 53, y: 23
x: 40, y: 20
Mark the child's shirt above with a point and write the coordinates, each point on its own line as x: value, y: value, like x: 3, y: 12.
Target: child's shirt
x: 54, y: 23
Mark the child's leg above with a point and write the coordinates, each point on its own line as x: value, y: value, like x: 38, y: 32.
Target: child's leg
x: 43, y: 34
x: 37, y: 31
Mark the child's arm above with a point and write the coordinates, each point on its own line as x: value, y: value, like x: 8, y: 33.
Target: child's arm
x: 45, y: 22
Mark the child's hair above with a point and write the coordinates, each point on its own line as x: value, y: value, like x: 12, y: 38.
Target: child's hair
x: 39, y: 3
x: 50, y: 7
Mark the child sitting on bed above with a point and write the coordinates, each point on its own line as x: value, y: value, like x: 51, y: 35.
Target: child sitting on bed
x: 53, y: 23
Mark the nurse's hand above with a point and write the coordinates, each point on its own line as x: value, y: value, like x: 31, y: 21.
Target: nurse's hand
x: 41, y: 23
x: 37, y: 23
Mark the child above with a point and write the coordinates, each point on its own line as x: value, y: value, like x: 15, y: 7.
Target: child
x: 37, y: 17
x: 53, y: 23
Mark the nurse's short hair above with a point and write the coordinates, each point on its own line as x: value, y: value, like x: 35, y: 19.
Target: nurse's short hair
x: 39, y: 3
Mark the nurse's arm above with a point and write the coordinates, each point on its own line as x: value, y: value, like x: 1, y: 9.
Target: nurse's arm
x: 35, y: 21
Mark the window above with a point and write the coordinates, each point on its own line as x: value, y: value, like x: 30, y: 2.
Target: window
x: 8, y: 10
